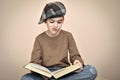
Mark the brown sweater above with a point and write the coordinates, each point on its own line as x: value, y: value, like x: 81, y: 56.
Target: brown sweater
x: 53, y: 51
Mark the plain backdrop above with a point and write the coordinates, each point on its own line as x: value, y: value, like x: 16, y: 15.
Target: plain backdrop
x: 95, y: 25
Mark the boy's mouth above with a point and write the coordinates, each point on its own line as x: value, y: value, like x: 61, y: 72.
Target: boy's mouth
x: 54, y: 29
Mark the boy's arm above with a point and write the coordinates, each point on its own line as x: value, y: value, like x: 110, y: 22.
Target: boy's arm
x: 74, y: 53
x: 36, y: 56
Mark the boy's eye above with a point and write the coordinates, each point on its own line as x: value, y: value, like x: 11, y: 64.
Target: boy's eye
x: 51, y: 21
x: 59, y: 22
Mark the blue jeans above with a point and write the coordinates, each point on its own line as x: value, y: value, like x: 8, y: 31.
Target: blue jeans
x: 88, y: 73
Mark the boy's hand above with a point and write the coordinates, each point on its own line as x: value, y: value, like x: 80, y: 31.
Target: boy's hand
x: 78, y: 63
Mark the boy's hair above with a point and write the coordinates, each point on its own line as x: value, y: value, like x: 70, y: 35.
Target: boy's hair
x: 52, y: 10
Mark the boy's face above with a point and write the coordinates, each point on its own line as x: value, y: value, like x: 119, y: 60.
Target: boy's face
x: 54, y: 24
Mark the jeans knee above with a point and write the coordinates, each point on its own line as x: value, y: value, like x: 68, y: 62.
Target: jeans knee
x: 93, y: 71
x: 32, y: 76
x: 27, y: 77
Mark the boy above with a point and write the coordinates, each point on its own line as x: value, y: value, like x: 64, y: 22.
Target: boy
x: 52, y: 46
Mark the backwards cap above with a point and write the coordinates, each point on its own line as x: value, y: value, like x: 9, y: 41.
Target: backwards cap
x: 51, y: 10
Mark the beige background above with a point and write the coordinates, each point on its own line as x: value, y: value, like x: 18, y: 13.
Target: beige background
x: 95, y: 25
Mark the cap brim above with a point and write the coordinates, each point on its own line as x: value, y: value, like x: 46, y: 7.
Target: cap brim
x: 40, y: 22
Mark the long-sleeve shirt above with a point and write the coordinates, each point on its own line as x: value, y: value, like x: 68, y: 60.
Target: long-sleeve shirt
x: 53, y: 51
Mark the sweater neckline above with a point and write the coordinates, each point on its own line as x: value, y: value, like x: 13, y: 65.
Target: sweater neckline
x: 54, y: 36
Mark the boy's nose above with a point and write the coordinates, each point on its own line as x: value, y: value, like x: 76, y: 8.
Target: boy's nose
x: 56, y: 24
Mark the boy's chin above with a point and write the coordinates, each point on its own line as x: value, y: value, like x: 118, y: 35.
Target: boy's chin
x: 54, y: 33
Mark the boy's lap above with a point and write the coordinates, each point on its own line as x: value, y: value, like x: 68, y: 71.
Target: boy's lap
x: 87, y: 72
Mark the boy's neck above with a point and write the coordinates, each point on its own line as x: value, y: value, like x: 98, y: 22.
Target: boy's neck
x: 52, y: 35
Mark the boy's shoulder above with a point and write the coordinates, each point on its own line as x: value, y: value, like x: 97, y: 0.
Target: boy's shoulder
x: 41, y: 35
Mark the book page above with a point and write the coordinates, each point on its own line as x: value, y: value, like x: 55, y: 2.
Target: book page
x: 65, y: 71
x: 39, y: 69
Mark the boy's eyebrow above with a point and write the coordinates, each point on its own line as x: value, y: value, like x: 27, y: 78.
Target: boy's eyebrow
x: 60, y: 20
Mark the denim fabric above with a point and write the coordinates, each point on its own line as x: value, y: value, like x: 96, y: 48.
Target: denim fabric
x: 32, y: 76
x: 88, y: 73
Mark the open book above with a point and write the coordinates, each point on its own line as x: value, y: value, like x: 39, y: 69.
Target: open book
x: 46, y: 72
